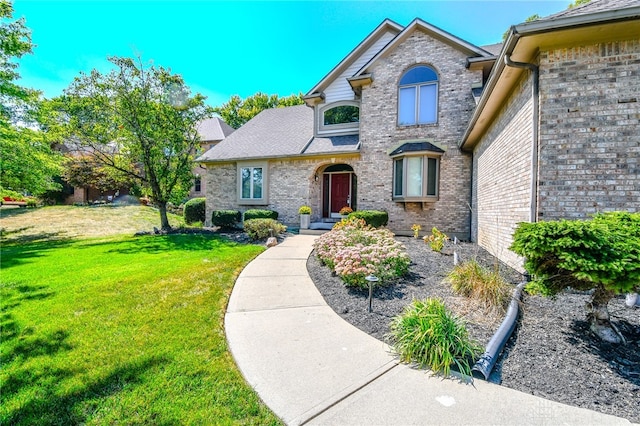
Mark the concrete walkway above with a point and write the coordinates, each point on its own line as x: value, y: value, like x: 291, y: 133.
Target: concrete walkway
x: 310, y: 366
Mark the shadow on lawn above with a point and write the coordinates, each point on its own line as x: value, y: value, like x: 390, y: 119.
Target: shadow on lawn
x: 49, y: 406
x: 164, y: 243
x: 20, y: 249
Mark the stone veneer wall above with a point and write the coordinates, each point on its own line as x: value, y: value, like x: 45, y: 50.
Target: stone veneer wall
x: 291, y: 184
x: 590, y: 130
x: 502, y: 175
x: 379, y: 133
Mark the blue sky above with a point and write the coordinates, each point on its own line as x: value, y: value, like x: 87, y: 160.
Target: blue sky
x: 241, y: 47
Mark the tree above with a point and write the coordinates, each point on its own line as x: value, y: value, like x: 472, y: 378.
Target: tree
x: 531, y: 18
x: 602, y: 254
x: 27, y: 162
x: 139, y: 120
x: 84, y: 171
x: 237, y: 111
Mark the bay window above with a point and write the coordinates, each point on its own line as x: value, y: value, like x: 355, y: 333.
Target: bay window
x: 415, y: 178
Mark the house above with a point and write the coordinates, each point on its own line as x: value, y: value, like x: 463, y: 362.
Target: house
x: 211, y: 131
x: 440, y: 132
x: 556, y: 133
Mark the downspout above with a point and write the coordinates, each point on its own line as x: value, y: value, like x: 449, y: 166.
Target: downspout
x: 535, y: 72
x: 485, y: 364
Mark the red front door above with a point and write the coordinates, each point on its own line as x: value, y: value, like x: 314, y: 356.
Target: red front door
x: 340, y: 191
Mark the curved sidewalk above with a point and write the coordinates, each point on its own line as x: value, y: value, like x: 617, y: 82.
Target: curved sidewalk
x: 310, y: 366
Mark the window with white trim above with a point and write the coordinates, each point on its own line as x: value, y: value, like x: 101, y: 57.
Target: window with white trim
x: 252, y: 183
x: 341, y: 117
x: 418, y: 96
x: 415, y: 178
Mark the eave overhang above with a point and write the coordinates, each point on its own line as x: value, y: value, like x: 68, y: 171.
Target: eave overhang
x: 525, y: 41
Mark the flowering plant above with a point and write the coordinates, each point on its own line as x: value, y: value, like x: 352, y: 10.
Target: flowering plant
x: 354, y: 250
x: 345, y: 211
x: 436, y: 239
x: 304, y: 210
x: 416, y: 230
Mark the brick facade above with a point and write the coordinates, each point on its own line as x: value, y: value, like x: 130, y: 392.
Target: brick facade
x: 292, y: 182
x: 502, y: 178
x: 379, y: 133
x: 589, y: 130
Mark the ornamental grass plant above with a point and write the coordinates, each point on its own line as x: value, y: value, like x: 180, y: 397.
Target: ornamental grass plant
x: 470, y: 279
x: 427, y: 333
x: 354, y: 250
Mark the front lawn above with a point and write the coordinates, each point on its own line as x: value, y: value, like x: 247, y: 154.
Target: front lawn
x: 121, y: 330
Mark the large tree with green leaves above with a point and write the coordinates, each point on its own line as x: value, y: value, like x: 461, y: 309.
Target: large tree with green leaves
x: 139, y: 120
x: 27, y: 163
x: 238, y: 111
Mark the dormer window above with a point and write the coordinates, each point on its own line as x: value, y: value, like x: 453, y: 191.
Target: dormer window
x: 418, y: 96
x: 339, y: 118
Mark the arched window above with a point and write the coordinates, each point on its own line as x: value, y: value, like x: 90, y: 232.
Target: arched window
x: 418, y: 96
x: 341, y: 117
x: 341, y: 114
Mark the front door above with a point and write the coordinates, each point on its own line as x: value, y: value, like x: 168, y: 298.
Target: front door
x: 340, y: 191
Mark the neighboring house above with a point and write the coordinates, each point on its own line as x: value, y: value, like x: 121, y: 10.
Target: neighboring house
x: 212, y: 131
x: 439, y: 132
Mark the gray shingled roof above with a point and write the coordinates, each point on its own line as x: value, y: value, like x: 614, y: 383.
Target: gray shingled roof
x: 594, y: 6
x: 214, y: 129
x: 277, y: 133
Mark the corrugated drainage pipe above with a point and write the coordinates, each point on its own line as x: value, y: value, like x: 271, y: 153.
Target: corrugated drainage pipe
x: 482, y: 368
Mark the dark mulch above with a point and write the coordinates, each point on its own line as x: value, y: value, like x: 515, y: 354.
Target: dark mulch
x: 551, y: 353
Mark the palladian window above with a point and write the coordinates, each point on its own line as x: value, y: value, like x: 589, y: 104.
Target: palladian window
x: 418, y: 96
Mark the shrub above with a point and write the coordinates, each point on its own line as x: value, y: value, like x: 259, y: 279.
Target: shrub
x: 428, y: 334
x: 32, y: 202
x: 601, y: 254
x: 470, y: 279
x: 436, y: 239
x: 375, y: 218
x: 354, y: 250
x: 225, y: 218
x: 260, y: 214
x: 258, y: 229
x: 304, y: 210
x: 194, y: 210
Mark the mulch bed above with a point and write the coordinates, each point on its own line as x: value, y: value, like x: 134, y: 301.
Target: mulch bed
x: 551, y: 354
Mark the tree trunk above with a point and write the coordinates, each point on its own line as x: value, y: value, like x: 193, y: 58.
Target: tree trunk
x: 598, y: 316
x: 164, y: 220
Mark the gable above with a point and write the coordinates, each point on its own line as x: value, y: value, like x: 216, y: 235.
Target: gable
x: 335, y: 81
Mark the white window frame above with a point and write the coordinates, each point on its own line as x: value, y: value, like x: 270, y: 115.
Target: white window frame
x: 424, y: 178
x: 263, y: 200
x: 337, y: 129
x: 417, y: 91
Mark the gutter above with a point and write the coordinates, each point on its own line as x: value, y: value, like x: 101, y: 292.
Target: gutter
x: 539, y: 27
x: 535, y: 73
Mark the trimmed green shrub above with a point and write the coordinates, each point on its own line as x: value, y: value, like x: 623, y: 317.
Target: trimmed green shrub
x: 194, y: 210
x: 258, y: 229
x: 601, y: 254
x: 260, y: 214
x: 225, y: 218
x: 470, y: 279
x: 375, y: 218
x: 427, y: 333
x: 583, y: 253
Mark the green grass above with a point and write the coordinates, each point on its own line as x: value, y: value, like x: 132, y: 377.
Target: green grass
x: 121, y: 330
